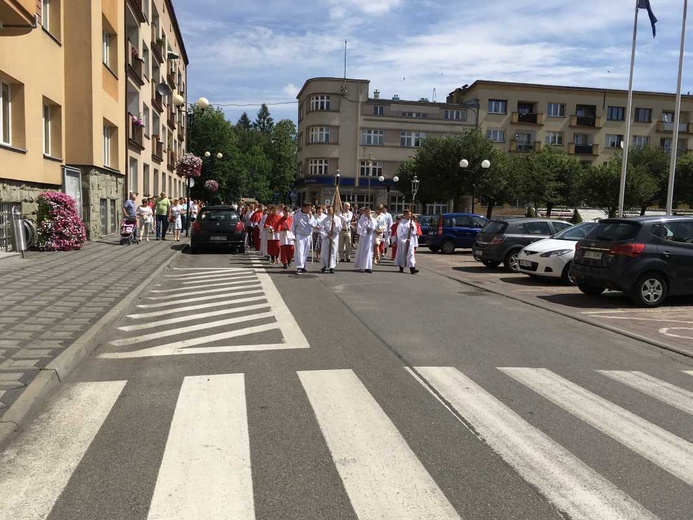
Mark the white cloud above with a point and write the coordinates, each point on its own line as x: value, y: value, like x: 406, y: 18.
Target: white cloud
x: 346, y: 8
x: 291, y: 90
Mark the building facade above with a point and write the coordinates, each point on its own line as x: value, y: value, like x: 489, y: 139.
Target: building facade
x: 341, y: 127
x: 69, y: 101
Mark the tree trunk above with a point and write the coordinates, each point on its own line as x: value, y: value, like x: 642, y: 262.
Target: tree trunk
x: 643, y: 209
x: 549, y: 207
x: 489, y: 209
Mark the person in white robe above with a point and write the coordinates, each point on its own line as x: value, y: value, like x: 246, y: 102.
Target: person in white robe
x: 407, y: 242
x: 263, y: 235
x: 345, y: 236
x: 302, y: 228
x: 365, y: 227
x: 329, y: 232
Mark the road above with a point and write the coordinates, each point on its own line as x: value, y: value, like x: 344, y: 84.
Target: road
x: 234, y: 391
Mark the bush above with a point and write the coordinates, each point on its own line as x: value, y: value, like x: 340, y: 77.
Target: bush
x: 59, y: 226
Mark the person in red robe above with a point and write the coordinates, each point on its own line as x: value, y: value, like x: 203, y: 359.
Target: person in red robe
x: 255, y: 220
x: 272, y: 233
x: 286, y: 238
x: 393, y: 236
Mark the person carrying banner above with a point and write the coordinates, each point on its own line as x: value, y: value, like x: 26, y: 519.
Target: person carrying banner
x: 302, y: 228
x: 407, y: 242
x: 329, y: 231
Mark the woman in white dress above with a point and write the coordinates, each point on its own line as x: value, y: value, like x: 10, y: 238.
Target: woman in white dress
x: 365, y: 227
x: 177, y: 210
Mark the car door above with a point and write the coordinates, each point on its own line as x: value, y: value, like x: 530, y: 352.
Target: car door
x: 676, y: 248
x: 534, y: 231
x: 464, y: 231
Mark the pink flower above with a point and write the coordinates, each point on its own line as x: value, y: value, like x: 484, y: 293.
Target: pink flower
x: 189, y: 165
x: 212, y: 185
x: 59, y: 226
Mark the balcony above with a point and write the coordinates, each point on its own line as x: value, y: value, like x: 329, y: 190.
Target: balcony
x: 525, y: 146
x: 171, y: 76
x: 590, y: 121
x: 172, y: 160
x: 157, y: 149
x: 583, y: 149
x: 135, y: 132
x: 135, y: 64
x: 171, y: 120
x: 136, y: 7
x: 157, y: 99
x: 668, y: 127
x: 158, y: 50
x: 527, y: 118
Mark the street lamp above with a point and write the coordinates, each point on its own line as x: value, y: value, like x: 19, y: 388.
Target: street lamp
x: 207, y: 155
x: 388, y: 186
x: 485, y: 164
x: 414, y: 191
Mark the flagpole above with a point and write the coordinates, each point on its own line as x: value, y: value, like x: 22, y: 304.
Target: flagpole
x: 629, y: 109
x: 677, y: 114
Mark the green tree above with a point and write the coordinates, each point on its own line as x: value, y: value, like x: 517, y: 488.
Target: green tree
x: 244, y: 122
x: 500, y: 182
x: 600, y: 186
x: 282, y: 153
x: 683, y: 182
x: 653, y: 164
x: 550, y: 178
x: 263, y: 121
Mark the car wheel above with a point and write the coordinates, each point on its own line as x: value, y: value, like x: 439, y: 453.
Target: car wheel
x: 433, y: 249
x: 649, y: 290
x: 592, y: 290
x: 447, y: 247
x: 489, y: 263
x: 511, y: 261
x: 565, y: 275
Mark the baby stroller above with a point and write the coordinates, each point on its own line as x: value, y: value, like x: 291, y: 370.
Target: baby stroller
x: 128, y: 231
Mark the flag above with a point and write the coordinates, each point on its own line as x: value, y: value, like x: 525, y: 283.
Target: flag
x: 645, y: 4
x: 337, y: 202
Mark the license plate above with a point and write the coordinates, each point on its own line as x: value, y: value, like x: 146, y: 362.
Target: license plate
x: 525, y: 263
x: 217, y: 238
x: 593, y: 255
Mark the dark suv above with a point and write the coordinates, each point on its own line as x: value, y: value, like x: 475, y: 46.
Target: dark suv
x: 645, y: 257
x: 452, y: 230
x: 217, y: 226
x: 502, y: 240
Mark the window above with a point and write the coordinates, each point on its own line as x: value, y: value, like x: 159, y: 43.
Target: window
x: 641, y: 141
x: 537, y: 228
x: 318, y: 167
x: 668, y: 117
x: 378, y: 110
x: 435, y: 209
x: 554, y: 138
x: 145, y: 178
x: 320, y: 102
x: 496, y: 135
x: 497, y: 106
x: 370, y: 168
x: 145, y: 119
x: 372, y: 137
x: 665, y: 143
x: 643, y: 115
x: 615, y: 114
x: 523, y: 142
x: 613, y: 140
x: 145, y: 60
x: 134, y: 175
x: 556, y: 110
x: 582, y: 139
x: 109, y: 46
x: 6, y: 114
x: 46, y: 15
x: 455, y: 115
x: 106, y: 145
x: 419, y: 115
x: 46, y: 129
x: 411, y: 139
x: 320, y: 134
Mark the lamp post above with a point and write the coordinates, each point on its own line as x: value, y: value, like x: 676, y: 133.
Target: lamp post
x: 395, y: 179
x: 202, y: 104
x: 485, y: 164
x: 414, y: 191
x: 218, y: 155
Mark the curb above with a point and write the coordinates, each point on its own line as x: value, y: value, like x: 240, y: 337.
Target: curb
x: 659, y: 344
x: 50, y: 378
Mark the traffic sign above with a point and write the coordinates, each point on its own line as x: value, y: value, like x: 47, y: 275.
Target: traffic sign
x: 191, y: 182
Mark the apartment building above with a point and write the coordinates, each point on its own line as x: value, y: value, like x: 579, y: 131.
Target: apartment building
x: 341, y: 127
x: 588, y: 123
x: 72, y: 116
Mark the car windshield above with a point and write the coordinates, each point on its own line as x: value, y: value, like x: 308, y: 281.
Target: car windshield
x: 219, y: 214
x: 614, y: 231
x: 495, y: 227
x: 575, y: 233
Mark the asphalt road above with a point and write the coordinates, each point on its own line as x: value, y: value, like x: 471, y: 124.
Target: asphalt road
x: 355, y: 395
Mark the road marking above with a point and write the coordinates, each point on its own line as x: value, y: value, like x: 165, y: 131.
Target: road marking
x: 199, y: 285
x: 192, y: 317
x: 665, y: 449
x: 38, y: 465
x: 381, y: 474
x: 666, y: 332
x: 567, y: 482
x: 228, y: 277
x: 210, y: 305
x: 661, y: 390
x: 245, y: 284
x: 192, y: 300
x: 206, y: 470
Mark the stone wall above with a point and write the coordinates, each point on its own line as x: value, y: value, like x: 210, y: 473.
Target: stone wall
x: 25, y: 194
x: 97, y: 185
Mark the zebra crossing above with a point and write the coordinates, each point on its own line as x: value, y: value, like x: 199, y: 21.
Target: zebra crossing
x: 206, y: 469
x: 209, y: 310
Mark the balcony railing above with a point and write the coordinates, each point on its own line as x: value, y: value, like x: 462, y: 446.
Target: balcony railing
x: 157, y: 149
x: 135, y: 64
x: 583, y: 149
x: 592, y: 121
x: 525, y: 146
x: 136, y: 6
x: 157, y: 99
x: 158, y: 50
x: 666, y: 126
x: 525, y: 118
x: 172, y: 159
x: 135, y: 132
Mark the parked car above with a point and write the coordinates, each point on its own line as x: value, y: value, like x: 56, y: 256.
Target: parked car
x: 217, y: 226
x: 453, y: 230
x: 502, y: 240
x: 551, y: 257
x: 427, y: 222
x: 648, y: 258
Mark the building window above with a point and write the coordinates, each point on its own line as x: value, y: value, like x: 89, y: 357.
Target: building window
x: 109, y: 46
x: 615, y: 114
x: 554, y: 138
x: 46, y: 15
x: 614, y: 140
x: 370, y: 168
x: 106, y: 145
x: 6, y: 114
x: 320, y: 134
x: 378, y: 110
x: 145, y: 178
x: 556, y: 110
x: 418, y: 115
x: 668, y: 117
x: 523, y: 142
x: 643, y: 115
x: 372, y: 137
x: 320, y: 102
x: 582, y: 139
x: 318, y: 167
x: 641, y: 141
x: 411, y: 139
x: 145, y: 119
x: 497, y: 106
x: 455, y: 115
x: 496, y: 135
x: 46, y: 129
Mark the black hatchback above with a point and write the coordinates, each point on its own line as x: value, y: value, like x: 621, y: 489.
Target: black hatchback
x: 647, y: 258
x: 217, y: 226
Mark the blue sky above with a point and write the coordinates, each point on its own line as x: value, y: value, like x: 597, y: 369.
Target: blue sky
x: 247, y: 53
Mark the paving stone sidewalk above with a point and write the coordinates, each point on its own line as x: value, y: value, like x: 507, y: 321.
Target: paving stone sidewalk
x: 49, y: 299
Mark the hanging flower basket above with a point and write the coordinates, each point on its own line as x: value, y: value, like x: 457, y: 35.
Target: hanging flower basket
x: 189, y: 165
x: 59, y: 226
x: 212, y: 185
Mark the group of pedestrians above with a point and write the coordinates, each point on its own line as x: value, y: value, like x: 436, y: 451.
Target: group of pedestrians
x: 282, y: 234
x: 159, y: 215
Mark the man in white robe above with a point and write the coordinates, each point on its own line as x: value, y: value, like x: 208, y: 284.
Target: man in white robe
x: 263, y: 236
x: 329, y: 232
x: 365, y: 227
x: 345, y: 235
x: 407, y: 242
x: 302, y: 228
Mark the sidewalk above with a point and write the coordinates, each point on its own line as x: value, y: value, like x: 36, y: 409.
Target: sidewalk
x: 53, y: 308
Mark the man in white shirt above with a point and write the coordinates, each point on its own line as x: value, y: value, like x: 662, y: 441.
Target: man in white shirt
x: 388, y: 220
x: 329, y: 232
x: 302, y: 228
x: 345, y: 234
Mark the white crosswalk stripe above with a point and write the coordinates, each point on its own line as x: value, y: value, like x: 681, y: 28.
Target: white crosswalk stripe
x: 661, y: 390
x: 245, y: 284
x: 665, y: 449
x: 224, y: 303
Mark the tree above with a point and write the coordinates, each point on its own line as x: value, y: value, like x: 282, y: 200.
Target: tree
x: 283, y: 156
x: 653, y: 164
x: 500, y: 182
x: 244, y: 122
x: 683, y: 185
x: 263, y: 122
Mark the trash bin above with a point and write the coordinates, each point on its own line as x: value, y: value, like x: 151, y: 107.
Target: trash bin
x: 20, y: 242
